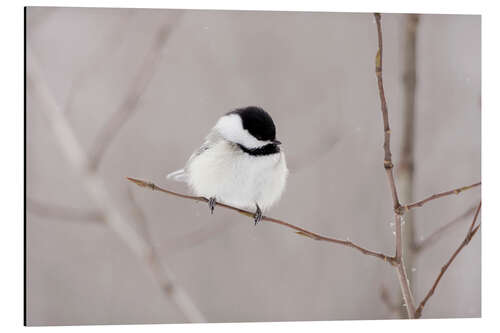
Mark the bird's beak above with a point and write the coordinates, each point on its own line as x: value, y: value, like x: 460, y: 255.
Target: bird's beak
x: 277, y: 142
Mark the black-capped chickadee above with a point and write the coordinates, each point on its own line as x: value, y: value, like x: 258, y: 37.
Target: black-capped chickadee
x: 239, y: 164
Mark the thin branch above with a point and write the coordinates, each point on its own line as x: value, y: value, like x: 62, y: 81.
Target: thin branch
x: 388, y: 165
x: 433, y: 237
x: 131, y: 101
x: 103, y: 199
x: 298, y: 230
x: 437, y: 196
x: 405, y: 289
x: 470, y: 233
x: 62, y: 213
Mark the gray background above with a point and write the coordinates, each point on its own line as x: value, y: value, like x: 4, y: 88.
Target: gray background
x: 314, y: 72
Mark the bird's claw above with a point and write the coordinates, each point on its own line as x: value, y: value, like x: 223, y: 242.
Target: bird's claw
x: 211, y: 204
x: 258, y: 215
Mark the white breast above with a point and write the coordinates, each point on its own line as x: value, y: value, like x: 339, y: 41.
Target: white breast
x: 236, y: 178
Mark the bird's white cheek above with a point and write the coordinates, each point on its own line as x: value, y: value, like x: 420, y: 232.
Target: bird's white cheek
x: 231, y: 129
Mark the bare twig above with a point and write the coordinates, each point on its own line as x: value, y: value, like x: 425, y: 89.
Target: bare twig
x: 137, y: 88
x: 298, y: 230
x: 432, y: 238
x: 388, y: 165
x: 61, y: 212
x: 405, y: 289
x: 470, y: 233
x: 97, y: 190
x: 437, y: 196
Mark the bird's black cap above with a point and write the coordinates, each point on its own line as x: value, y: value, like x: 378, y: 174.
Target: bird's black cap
x: 257, y: 122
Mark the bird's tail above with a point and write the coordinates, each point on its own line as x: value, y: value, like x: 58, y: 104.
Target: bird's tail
x: 178, y: 175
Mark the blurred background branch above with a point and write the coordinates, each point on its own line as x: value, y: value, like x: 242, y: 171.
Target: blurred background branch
x: 405, y: 171
x: 440, y: 232
x: 470, y: 233
x: 170, y: 246
x: 62, y: 212
x: 95, y: 186
x: 385, y: 296
x: 132, y: 97
x: 108, y: 46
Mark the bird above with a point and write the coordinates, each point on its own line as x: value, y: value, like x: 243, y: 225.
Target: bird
x: 240, y: 163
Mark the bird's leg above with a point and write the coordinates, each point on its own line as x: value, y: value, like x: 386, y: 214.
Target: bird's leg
x: 258, y: 215
x: 211, y: 204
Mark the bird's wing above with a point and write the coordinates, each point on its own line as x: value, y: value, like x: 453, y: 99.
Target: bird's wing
x: 210, y: 140
x: 179, y: 175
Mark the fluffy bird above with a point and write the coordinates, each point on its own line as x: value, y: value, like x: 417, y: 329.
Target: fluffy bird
x: 240, y: 163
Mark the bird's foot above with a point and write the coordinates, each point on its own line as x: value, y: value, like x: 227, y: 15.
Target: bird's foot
x: 211, y: 204
x: 258, y: 215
